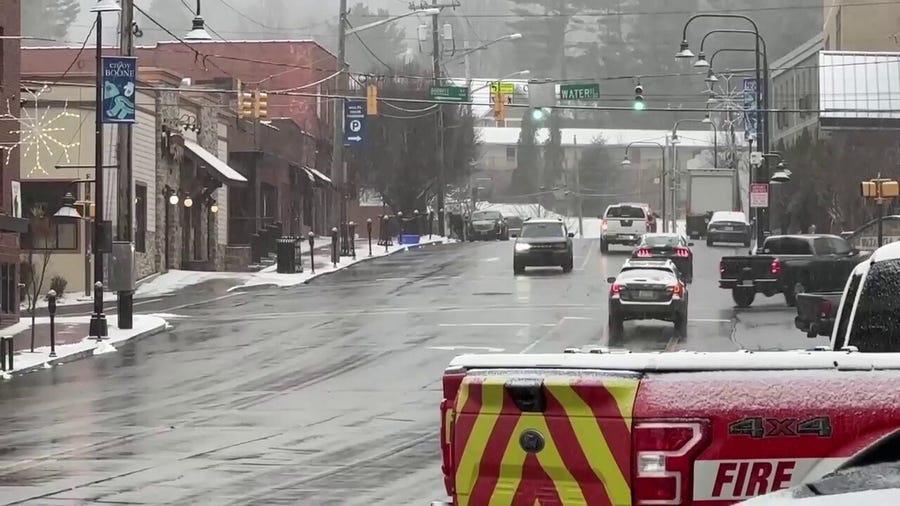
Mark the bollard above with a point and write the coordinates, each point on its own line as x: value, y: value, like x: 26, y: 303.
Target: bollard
x: 51, y: 308
x: 334, y: 247
x: 369, y: 233
x: 2, y: 353
x: 311, y: 237
x: 430, y: 223
x: 415, y: 221
x: 386, y: 232
x: 400, y: 227
x: 353, y: 239
x: 9, y: 353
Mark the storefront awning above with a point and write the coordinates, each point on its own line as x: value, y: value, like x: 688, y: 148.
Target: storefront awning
x: 13, y: 224
x: 318, y: 175
x: 312, y: 179
x: 217, y: 168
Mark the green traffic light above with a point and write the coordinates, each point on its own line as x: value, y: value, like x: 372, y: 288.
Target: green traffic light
x: 639, y: 105
x: 537, y: 114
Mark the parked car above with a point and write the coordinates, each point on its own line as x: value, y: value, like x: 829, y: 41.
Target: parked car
x: 668, y: 246
x: 488, y: 224
x: 728, y: 226
x: 789, y: 265
x: 623, y: 224
x: 543, y: 243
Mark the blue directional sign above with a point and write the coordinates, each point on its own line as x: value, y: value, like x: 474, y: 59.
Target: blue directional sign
x: 354, y: 122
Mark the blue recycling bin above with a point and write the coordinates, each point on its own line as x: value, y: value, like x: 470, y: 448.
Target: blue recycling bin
x: 409, y: 239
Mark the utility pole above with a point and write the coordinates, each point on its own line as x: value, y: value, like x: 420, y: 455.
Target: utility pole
x: 338, y: 207
x: 579, y: 202
x: 125, y: 201
x: 436, y: 63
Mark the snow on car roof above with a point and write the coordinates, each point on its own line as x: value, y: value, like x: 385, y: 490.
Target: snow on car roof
x: 687, y: 361
x: 887, y: 252
x: 729, y: 216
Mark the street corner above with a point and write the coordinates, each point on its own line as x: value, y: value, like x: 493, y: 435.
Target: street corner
x: 71, y: 341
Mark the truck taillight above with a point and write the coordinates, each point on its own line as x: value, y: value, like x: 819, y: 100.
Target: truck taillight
x: 721, y: 267
x: 826, y: 309
x: 604, y: 225
x: 775, y: 267
x: 452, y: 383
x: 664, y: 460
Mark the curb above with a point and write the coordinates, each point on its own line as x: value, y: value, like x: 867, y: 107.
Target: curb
x: 359, y: 260
x: 84, y: 354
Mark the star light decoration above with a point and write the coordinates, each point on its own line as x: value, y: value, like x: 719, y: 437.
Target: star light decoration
x: 38, y: 132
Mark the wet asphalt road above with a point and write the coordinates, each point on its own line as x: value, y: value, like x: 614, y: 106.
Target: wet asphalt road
x: 325, y: 393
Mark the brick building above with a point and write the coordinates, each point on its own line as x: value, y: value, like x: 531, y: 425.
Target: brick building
x: 11, y: 223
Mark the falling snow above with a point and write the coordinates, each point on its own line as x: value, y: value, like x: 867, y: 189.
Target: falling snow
x: 39, y: 133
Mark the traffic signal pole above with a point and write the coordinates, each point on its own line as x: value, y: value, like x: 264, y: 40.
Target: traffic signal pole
x: 436, y: 63
x: 338, y: 206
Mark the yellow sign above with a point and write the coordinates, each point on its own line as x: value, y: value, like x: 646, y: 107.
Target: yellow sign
x: 372, y: 100
x: 504, y: 88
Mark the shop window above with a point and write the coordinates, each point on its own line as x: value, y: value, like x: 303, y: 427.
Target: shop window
x: 510, y: 153
x: 8, y: 288
x: 40, y: 201
x: 140, y: 217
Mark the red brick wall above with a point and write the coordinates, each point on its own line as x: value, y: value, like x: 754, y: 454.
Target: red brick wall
x: 10, y: 19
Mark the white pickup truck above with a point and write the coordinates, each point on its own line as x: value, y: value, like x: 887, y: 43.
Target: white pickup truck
x: 624, y: 224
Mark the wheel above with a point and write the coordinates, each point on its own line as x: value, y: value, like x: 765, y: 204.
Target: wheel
x: 616, y: 330
x: 790, y: 294
x: 709, y: 241
x: 681, y: 325
x: 747, y: 243
x: 567, y: 267
x: 743, y: 297
x: 604, y: 246
x: 505, y: 236
x: 518, y: 268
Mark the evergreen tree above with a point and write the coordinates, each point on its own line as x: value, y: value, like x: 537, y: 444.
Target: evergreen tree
x: 49, y: 18
x: 525, y: 176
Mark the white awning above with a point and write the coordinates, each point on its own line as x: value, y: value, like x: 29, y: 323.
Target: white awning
x: 312, y: 179
x: 219, y: 169
x: 319, y: 175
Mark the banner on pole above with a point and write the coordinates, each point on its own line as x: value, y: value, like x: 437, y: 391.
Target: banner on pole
x: 119, y: 88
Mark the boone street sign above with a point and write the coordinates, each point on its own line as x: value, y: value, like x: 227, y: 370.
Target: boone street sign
x: 590, y: 91
x: 450, y: 93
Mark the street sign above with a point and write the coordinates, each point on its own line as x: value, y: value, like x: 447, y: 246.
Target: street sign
x: 450, y: 93
x: 759, y: 195
x: 505, y: 88
x: 354, y: 122
x: 588, y: 91
x: 119, y: 81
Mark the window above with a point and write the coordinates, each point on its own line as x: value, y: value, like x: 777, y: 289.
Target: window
x: 8, y: 288
x: 140, y: 217
x: 510, y: 153
x: 837, y: 30
x: 876, y: 327
x: 822, y: 246
x: 41, y: 200
x: 625, y: 212
x: 530, y: 230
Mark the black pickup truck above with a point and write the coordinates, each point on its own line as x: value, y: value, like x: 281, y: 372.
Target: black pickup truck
x: 816, y: 312
x: 790, y: 265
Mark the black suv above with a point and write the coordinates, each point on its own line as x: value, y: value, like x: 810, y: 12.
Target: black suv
x: 488, y: 224
x: 543, y: 243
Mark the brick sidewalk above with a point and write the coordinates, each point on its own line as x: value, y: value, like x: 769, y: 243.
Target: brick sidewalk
x: 66, y: 333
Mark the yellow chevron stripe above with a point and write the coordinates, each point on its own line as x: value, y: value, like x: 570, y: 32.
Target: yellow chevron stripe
x: 623, y: 390
x: 467, y: 468
x: 593, y: 443
x: 461, y: 398
x: 510, y: 469
x: 550, y: 459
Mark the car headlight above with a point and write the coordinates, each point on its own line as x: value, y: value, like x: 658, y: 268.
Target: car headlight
x: 522, y: 246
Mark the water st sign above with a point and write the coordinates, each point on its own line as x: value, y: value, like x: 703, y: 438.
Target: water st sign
x: 354, y: 122
x: 450, y: 93
x: 759, y: 195
x: 119, y: 74
x: 589, y: 91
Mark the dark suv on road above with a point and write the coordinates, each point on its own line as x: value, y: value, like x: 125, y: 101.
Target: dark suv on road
x: 488, y: 225
x: 543, y: 243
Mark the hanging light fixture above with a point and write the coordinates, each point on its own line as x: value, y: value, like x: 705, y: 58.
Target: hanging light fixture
x: 173, y: 199
x: 214, y: 208
x: 188, y: 201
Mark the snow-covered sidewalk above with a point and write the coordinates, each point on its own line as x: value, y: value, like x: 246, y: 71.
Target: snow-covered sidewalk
x: 40, y: 359
x: 269, y: 276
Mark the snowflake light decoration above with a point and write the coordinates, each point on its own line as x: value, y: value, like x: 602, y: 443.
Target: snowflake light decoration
x: 39, y: 131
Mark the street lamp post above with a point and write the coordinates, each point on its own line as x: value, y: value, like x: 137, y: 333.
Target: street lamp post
x: 662, y: 173
x: 98, y: 325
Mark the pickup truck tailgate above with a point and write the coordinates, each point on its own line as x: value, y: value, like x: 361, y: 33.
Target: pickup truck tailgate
x: 520, y: 437
x: 746, y: 267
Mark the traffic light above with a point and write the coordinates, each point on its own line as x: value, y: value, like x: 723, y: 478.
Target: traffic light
x: 245, y: 102
x: 639, y: 104
x: 538, y: 115
x: 499, y: 107
x: 261, y: 104
x: 371, y: 100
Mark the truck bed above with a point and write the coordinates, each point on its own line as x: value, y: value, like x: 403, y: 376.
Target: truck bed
x: 816, y: 312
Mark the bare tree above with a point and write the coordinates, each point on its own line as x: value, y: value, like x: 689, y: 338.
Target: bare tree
x: 37, y: 259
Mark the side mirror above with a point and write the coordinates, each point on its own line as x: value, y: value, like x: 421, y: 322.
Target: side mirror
x: 690, y: 245
x: 854, y: 251
x: 611, y: 279
x: 571, y: 234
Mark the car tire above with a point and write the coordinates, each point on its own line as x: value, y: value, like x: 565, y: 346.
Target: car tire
x: 568, y: 266
x: 604, y: 246
x: 709, y: 242
x: 505, y: 236
x: 616, y: 329
x: 791, y: 292
x: 747, y: 243
x: 681, y: 322
x: 518, y: 268
x: 743, y: 297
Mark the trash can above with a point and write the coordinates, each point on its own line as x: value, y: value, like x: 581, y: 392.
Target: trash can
x: 409, y: 239
x: 286, y: 261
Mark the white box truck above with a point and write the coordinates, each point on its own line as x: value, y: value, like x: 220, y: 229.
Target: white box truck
x: 708, y: 191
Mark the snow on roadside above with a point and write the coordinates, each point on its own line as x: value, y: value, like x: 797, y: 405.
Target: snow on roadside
x: 174, y: 280
x: 268, y: 276
x: 143, y: 324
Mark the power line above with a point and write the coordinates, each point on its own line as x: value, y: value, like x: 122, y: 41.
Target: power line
x: 368, y: 49
x: 77, y: 56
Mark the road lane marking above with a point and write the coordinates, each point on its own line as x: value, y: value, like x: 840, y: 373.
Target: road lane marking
x: 545, y: 336
x: 587, y: 257
x: 473, y: 348
x: 142, y: 302
x: 492, y: 259
x: 708, y: 320
x: 484, y: 324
